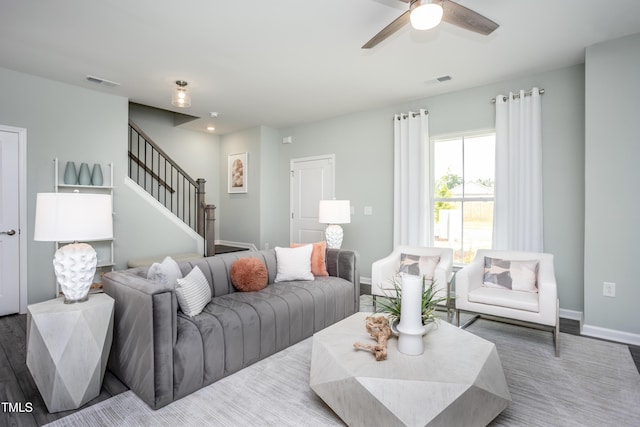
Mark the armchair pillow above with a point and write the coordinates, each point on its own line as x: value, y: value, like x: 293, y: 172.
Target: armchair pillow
x: 506, y: 274
x: 417, y: 265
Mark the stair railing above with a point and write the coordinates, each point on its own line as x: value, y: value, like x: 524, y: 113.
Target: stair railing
x: 152, y: 169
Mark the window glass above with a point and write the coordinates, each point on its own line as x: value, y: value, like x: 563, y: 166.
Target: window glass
x: 463, y: 194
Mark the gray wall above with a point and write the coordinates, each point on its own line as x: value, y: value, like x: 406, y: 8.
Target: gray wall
x: 239, y: 213
x: 66, y: 122
x: 612, y: 175
x: 81, y: 125
x: 252, y: 217
x: 363, y: 145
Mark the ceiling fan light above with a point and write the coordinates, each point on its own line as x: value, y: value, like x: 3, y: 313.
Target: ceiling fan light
x: 426, y: 16
x: 180, y: 96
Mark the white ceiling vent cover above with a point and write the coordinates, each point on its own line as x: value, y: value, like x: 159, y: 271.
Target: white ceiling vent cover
x: 100, y: 81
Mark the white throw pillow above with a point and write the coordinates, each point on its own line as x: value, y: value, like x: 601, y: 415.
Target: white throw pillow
x: 166, y: 272
x: 524, y: 276
x: 293, y: 263
x: 193, y: 292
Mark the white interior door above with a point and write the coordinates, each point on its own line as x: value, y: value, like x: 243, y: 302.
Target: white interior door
x: 312, y: 180
x: 9, y: 223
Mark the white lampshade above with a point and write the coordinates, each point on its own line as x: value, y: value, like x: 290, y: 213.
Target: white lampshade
x: 426, y: 15
x: 67, y: 217
x: 334, y: 212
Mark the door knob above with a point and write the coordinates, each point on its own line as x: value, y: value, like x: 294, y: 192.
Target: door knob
x: 9, y: 233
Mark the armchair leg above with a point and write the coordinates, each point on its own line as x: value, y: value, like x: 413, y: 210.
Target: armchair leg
x: 556, y: 331
x: 457, y: 318
x: 374, y: 302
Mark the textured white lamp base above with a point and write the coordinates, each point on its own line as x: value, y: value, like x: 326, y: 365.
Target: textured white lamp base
x: 334, y: 234
x: 75, y: 266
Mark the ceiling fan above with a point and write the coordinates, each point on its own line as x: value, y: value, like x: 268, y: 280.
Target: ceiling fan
x: 426, y: 14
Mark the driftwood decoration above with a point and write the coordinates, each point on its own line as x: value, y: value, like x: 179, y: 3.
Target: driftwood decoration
x: 378, y: 328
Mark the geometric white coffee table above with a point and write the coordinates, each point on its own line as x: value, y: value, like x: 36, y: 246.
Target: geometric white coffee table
x: 67, y: 349
x: 458, y: 381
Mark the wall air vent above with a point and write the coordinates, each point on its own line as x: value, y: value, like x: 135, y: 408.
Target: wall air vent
x: 100, y: 81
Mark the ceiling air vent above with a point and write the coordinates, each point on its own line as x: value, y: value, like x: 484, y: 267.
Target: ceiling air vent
x: 104, y: 82
x: 443, y: 78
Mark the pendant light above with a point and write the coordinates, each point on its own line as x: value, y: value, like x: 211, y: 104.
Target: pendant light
x: 181, y: 97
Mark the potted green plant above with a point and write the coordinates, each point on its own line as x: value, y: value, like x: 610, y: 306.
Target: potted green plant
x: 392, y: 305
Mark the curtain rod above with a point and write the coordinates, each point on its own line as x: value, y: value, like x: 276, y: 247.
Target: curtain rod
x: 517, y: 95
x: 405, y: 115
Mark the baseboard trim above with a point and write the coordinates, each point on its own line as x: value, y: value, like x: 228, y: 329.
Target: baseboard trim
x: 611, y: 335
x: 572, y: 314
x: 249, y: 246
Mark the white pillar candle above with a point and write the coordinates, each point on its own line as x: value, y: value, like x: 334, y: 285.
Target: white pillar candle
x: 410, y: 328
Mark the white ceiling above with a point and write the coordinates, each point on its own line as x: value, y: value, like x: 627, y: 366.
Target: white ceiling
x: 284, y: 62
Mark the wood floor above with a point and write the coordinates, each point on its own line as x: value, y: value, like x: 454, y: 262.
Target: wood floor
x: 17, y: 385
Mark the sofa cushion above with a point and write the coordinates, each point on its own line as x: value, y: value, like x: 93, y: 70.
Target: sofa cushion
x: 249, y: 274
x: 505, y: 298
x: 318, y: 258
x: 293, y: 263
x: 166, y: 272
x: 416, y: 265
x: 505, y: 274
x: 193, y: 292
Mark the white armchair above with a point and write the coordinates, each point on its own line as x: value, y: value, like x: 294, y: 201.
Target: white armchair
x: 534, y: 309
x: 385, y: 269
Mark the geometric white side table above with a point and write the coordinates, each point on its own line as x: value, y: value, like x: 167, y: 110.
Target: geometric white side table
x: 67, y: 349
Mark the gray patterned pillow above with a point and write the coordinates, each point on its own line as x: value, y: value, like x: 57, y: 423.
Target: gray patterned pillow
x: 515, y: 275
x: 416, y: 265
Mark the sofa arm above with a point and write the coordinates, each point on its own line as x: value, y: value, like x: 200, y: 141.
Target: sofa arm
x: 144, y: 333
x: 344, y: 263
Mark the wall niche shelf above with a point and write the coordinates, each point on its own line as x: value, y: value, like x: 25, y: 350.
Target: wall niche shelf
x: 105, y: 247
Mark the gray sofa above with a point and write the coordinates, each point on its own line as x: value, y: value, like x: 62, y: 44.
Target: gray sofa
x: 163, y: 355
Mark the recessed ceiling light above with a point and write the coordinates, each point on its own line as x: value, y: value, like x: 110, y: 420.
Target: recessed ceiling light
x: 210, y: 128
x: 213, y: 114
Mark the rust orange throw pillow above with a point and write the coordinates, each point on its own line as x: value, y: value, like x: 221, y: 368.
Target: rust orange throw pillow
x: 318, y: 261
x: 249, y: 274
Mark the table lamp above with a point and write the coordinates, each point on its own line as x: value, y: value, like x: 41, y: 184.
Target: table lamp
x: 74, y: 217
x: 334, y: 212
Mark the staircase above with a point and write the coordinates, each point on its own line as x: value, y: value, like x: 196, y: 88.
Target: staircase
x: 161, y: 177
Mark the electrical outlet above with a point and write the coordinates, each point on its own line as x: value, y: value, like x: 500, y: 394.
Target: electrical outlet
x: 609, y: 289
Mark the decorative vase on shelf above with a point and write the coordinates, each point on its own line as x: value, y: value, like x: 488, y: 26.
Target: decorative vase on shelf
x: 70, y: 174
x: 411, y: 328
x: 96, y: 175
x: 84, y: 176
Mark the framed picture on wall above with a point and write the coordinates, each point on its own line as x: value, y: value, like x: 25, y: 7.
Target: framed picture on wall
x: 238, y: 178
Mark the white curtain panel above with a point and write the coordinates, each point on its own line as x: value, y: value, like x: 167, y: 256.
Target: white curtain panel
x: 411, y: 213
x: 517, y: 223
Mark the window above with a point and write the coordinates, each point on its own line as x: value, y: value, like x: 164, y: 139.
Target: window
x: 463, y: 194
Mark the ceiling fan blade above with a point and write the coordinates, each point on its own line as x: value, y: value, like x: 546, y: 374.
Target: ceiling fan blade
x: 468, y: 19
x: 400, y: 22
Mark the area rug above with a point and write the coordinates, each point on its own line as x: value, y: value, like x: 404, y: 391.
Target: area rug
x: 592, y: 383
